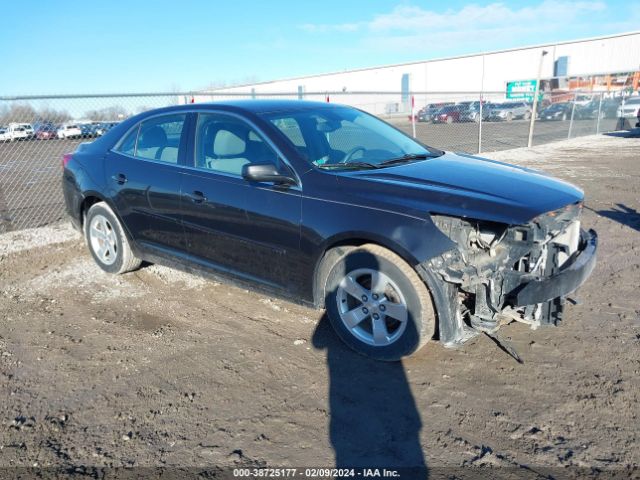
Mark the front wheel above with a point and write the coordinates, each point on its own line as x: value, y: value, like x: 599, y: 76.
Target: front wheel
x: 378, y: 305
x: 107, y: 241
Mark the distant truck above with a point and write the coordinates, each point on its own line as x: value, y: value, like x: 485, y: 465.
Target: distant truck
x: 18, y: 131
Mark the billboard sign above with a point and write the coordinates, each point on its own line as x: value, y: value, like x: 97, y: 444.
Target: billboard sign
x: 521, y: 89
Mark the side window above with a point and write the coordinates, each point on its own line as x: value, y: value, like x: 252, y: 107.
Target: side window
x: 155, y: 139
x: 225, y: 144
x: 128, y: 145
x: 289, y: 126
x: 159, y: 138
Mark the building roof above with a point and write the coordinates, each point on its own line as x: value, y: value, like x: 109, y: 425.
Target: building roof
x: 492, y: 52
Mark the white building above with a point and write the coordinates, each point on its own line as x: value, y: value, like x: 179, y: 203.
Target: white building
x: 603, y: 63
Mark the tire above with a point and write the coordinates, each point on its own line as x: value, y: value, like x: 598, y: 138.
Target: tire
x: 357, y: 315
x: 103, y: 229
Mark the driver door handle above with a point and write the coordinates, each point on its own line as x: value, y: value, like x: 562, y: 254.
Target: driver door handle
x: 120, y: 178
x: 197, y: 196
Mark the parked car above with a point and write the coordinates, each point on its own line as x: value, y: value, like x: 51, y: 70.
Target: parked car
x: 27, y: 128
x: 629, y: 108
x: 45, y: 132
x: 332, y: 206
x: 471, y: 111
x: 609, y: 108
x: 69, y: 131
x: 5, y: 136
x: 89, y: 130
x: 15, y: 131
x: 587, y: 111
x: 426, y: 114
x: 508, y: 111
x: 103, y: 128
x: 557, y: 111
x: 448, y: 114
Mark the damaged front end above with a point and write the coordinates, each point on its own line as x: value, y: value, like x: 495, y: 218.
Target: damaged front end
x: 500, y: 273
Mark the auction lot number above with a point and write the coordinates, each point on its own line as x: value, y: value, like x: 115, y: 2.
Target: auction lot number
x: 316, y: 473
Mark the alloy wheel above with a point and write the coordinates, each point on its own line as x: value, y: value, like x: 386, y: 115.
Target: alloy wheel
x: 103, y: 239
x: 372, y: 307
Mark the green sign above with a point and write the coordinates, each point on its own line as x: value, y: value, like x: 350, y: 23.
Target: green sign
x: 521, y: 89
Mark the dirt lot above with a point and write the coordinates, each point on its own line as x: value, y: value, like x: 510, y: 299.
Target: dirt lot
x: 163, y: 368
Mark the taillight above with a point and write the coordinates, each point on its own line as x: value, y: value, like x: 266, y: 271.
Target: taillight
x: 66, y: 158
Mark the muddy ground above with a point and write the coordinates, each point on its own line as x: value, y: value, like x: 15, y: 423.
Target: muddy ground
x: 163, y: 368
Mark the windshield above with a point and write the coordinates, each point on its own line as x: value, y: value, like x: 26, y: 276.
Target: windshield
x: 343, y: 137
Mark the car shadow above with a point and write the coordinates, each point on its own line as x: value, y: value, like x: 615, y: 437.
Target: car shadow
x: 622, y: 214
x: 373, y: 418
x: 374, y: 421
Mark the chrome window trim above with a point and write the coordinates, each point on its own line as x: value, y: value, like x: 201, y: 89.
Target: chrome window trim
x: 258, y: 130
x: 201, y: 171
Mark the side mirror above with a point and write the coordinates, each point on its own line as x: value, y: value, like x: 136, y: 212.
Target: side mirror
x: 266, y: 172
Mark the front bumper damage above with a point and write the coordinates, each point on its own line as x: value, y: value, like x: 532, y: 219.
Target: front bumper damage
x: 502, y: 273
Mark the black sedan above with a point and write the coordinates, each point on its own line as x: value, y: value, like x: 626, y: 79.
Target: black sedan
x: 557, y: 111
x: 331, y: 206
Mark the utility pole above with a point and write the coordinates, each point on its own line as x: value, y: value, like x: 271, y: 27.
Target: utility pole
x: 535, y: 99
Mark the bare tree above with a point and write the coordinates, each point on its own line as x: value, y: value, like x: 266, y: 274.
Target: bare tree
x: 25, y: 112
x: 115, y: 112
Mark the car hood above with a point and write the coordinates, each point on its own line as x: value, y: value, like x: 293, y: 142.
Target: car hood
x: 460, y: 185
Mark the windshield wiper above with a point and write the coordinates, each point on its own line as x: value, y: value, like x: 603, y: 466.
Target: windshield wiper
x: 331, y: 166
x: 409, y: 157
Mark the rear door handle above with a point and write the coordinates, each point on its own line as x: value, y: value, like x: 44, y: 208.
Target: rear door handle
x: 120, y: 178
x: 197, y: 197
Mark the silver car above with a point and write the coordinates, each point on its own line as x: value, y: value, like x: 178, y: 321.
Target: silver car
x: 629, y: 108
x: 508, y: 111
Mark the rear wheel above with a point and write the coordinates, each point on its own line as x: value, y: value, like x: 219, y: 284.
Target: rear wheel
x: 378, y: 305
x: 107, y: 242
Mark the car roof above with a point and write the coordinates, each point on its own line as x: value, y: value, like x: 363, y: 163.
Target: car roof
x: 254, y: 106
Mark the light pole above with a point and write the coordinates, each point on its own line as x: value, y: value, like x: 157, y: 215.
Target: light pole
x: 535, y: 99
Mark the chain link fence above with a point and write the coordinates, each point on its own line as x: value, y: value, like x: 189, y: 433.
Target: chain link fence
x: 35, y: 131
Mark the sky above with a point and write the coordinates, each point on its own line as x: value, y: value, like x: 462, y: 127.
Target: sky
x: 74, y: 47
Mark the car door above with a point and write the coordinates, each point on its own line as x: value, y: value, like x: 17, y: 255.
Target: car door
x: 143, y: 174
x: 250, y: 229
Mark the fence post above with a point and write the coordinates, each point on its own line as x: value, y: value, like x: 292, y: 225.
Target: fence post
x: 599, y: 113
x: 480, y: 126
x: 5, y: 218
x: 573, y: 111
x: 413, y: 115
